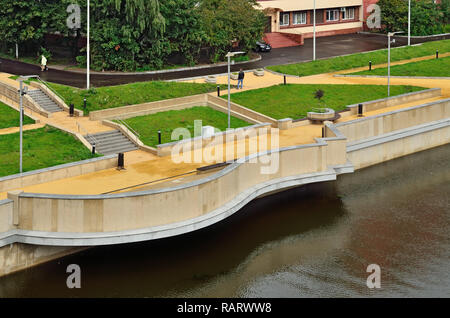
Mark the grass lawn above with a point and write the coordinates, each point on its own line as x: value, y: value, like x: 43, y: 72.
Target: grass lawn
x: 10, y: 117
x: 295, y: 100
x: 129, y: 94
x: 42, y: 148
x: 362, y: 59
x: 435, y: 67
x: 147, y: 126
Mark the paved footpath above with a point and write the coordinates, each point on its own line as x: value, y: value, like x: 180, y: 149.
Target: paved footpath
x: 142, y: 168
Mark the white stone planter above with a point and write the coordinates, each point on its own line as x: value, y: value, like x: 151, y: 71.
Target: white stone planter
x: 234, y: 76
x: 259, y: 72
x: 211, y: 79
x: 327, y: 114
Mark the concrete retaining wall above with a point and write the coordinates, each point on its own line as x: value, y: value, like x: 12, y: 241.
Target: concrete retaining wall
x: 12, y: 94
x: 396, y: 100
x: 57, y: 172
x: 55, y: 98
x: 68, y: 217
x: 399, y: 143
x: 18, y: 256
x: 149, y: 108
x: 384, y: 123
x: 201, y: 142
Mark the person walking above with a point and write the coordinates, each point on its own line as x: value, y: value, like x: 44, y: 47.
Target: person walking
x: 240, y: 79
x: 43, y: 63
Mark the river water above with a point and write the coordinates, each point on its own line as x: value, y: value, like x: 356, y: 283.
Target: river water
x: 312, y: 241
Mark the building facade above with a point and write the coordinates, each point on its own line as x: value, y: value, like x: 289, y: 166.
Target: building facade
x: 296, y: 16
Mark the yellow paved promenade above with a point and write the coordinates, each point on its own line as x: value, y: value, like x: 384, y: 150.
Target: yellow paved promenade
x: 144, y: 171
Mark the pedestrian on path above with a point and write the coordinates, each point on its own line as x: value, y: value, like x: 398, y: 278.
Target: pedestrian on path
x: 240, y: 78
x: 43, y: 63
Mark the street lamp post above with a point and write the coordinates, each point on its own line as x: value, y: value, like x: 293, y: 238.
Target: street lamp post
x: 389, y: 58
x: 409, y: 22
x: 314, y: 31
x: 22, y: 91
x: 88, y: 48
x: 229, y: 55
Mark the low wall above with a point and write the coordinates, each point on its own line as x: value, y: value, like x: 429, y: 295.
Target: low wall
x: 396, y: 100
x: 149, y: 108
x: 201, y: 142
x: 12, y: 94
x: 105, y: 219
x: 57, y: 172
x: 6, y: 215
x: 399, y: 143
x: 243, y: 110
x: 55, y: 98
x: 367, y: 127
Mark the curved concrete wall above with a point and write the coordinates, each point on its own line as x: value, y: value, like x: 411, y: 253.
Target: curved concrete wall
x: 128, y: 217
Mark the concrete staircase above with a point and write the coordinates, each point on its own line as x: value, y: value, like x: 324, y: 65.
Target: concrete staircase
x: 111, y: 142
x: 278, y: 40
x: 44, y: 101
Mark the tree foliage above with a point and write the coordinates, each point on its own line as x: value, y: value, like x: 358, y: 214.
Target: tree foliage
x: 136, y: 34
x: 427, y: 17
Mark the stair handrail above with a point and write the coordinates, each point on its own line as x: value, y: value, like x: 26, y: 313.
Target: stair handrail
x: 87, y: 134
x: 135, y: 133
x: 51, y: 89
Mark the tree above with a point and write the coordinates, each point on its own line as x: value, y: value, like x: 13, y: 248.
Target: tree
x: 426, y: 16
x: 23, y: 23
x: 226, y: 22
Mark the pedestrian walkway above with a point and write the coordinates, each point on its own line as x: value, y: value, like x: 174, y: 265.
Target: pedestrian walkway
x: 144, y: 168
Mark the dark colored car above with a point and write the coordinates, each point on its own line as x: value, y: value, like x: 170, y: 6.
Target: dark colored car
x: 262, y: 46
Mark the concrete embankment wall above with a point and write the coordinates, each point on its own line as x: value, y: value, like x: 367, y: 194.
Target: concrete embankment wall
x: 396, y: 100
x: 399, y: 143
x: 367, y: 127
x: 57, y: 172
x: 222, y: 193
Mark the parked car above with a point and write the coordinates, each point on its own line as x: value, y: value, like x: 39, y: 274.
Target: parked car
x: 262, y: 46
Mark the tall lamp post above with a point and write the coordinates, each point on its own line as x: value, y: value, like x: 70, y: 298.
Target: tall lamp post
x: 314, y: 31
x: 88, y: 48
x: 389, y: 58
x: 229, y: 55
x: 409, y: 22
x: 22, y: 92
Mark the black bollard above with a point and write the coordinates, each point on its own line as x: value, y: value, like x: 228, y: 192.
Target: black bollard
x: 84, y: 104
x: 218, y: 91
x: 159, y: 137
x: 71, y: 110
x: 437, y: 54
x: 323, y: 132
x: 284, y: 79
x: 121, y: 161
x: 93, y: 149
x: 360, y: 110
x: 370, y: 65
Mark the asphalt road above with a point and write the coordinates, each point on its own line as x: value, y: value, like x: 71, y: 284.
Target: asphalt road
x: 325, y: 47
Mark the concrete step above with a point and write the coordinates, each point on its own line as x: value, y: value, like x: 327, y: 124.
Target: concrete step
x: 109, y: 151
x: 44, y: 101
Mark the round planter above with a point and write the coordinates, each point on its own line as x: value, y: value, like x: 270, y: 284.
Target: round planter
x: 211, y: 79
x: 234, y: 76
x: 259, y: 72
x: 327, y: 114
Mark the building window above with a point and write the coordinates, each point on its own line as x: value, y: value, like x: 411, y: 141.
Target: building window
x: 300, y: 18
x: 284, y: 18
x: 332, y: 15
x: 348, y: 14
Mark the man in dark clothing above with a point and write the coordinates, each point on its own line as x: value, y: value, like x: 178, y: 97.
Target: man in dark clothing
x: 240, y: 78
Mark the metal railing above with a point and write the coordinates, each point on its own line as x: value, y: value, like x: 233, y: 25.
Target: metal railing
x: 135, y: 133
x: 50, y: 88
x: 86, y: 133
